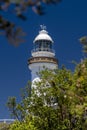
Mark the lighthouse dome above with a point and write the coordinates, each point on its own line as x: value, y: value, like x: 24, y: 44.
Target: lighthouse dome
x: 43, y: 35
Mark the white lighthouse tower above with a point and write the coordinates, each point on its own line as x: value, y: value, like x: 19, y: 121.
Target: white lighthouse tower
x: 43, y: 54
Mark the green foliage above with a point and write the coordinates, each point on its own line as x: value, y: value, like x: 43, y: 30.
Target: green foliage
x: 58, y: 102
x: 18, y: 110
x: 24, y: 125
x: 83, y: 40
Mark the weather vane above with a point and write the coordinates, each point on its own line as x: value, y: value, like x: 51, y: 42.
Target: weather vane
x: 43, y: 27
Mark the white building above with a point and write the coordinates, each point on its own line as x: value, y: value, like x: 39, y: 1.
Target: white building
x: 43, y: 54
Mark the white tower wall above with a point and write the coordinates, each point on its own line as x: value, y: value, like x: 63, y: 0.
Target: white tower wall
x: 37, y: 67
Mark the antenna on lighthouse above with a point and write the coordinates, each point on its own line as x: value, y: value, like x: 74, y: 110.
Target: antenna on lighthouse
x: 43, y: 27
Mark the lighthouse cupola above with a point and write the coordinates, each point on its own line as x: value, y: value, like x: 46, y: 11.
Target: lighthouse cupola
x: 43, y: 44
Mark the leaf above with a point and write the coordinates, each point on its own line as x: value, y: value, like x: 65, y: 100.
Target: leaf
x: 83, y: 40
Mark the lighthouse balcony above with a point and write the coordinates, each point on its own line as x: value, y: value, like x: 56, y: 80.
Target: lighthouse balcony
x: 42, y: 59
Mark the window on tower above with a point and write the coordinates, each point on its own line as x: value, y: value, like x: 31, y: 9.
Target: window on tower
x: 43, y: 45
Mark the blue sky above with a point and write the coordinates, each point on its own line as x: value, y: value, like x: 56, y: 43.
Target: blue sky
x: 65, y: 22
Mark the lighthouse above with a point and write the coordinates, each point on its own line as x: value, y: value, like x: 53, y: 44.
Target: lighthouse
x: 42, y: 54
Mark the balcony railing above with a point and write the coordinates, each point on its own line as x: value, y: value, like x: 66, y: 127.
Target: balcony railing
x: 43, y: 49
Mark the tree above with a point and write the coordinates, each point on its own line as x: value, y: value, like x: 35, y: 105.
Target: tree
x: 18, y: 110
x: 25, y: 125
x: 83, y: 40
x: 18, y: 7
x: 58, y: 102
